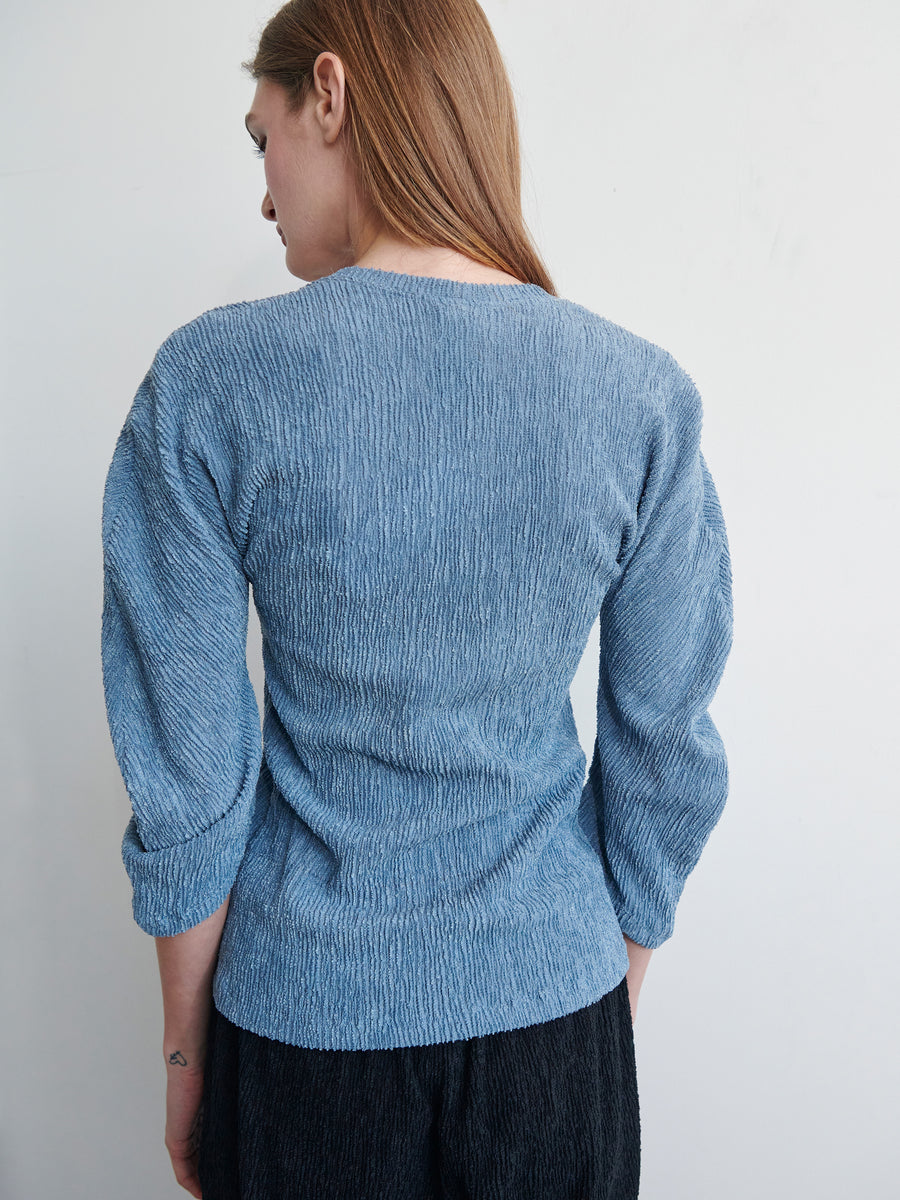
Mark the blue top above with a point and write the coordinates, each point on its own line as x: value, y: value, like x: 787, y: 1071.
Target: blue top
x: 435, y: 487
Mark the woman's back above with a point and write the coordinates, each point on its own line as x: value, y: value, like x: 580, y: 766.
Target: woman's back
x: 434, y: 488
x: 398, y: 931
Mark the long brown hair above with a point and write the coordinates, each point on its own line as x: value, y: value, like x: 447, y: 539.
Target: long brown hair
x: 431, y: 119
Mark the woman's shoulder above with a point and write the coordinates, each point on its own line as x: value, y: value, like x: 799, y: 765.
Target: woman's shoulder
x: 643, y: 368
x: 227, y: 326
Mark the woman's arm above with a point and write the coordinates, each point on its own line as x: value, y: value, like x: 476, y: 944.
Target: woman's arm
x: 187, y: 963
x: 638, y: 959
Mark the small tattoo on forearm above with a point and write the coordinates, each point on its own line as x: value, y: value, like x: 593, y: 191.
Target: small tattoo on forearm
x: 178, y: 1059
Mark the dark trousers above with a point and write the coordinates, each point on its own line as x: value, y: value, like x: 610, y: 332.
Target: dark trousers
x: 546, y: 1112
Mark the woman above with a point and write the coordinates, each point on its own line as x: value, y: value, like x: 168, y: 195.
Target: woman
x: 400, y: 938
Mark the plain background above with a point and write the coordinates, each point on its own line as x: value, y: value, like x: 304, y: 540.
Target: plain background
x: 719, y: 176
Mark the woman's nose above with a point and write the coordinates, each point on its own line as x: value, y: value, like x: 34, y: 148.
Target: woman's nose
x: 268, y: 208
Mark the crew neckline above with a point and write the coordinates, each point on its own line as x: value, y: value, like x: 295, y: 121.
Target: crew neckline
x: 437, y: 285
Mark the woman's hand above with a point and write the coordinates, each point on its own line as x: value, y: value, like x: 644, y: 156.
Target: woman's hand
x: 638, y: 958
x: 184, y: 1115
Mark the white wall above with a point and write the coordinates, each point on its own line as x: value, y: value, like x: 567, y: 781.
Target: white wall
x: 722, y: 178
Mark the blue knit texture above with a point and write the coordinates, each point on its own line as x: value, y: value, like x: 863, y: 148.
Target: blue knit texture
x: 434, y: 488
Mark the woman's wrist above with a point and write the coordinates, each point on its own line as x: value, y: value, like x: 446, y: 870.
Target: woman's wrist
x: 184, y: 1054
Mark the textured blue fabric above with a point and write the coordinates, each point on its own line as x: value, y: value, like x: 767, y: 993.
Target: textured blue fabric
x: 434, y: 487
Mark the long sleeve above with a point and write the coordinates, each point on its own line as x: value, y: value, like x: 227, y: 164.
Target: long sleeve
x: 659, y: 775
x: 181, y: 709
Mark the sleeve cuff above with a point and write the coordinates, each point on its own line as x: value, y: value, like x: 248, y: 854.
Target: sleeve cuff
x: 179, y: 886
x: 643, y: 930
